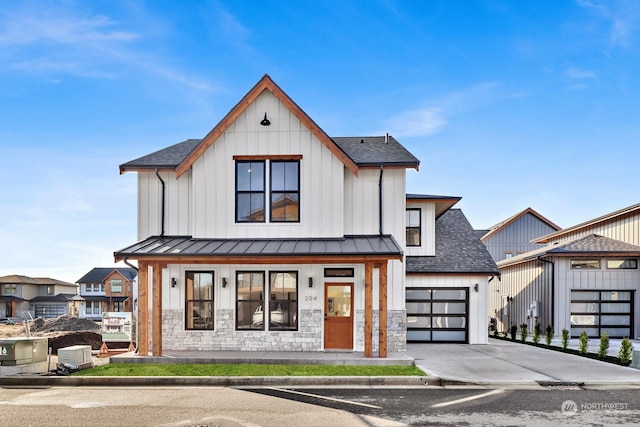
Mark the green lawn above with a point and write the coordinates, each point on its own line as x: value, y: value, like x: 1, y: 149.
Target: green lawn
x: 251, y: 370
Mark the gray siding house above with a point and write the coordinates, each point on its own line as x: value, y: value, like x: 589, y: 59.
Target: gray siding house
x: 514, y: 235
x: 584, y: 278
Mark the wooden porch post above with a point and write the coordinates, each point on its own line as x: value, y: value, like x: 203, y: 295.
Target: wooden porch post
x: 368, y: 310
x: 382, y: 326
x: 143, y: 309
x: 156, y: 315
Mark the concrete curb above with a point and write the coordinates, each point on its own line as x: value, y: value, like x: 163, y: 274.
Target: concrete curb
x: 58, y: 381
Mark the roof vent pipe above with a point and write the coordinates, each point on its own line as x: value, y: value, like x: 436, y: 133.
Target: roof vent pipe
x: 386, y: 138
x: 161, y: 207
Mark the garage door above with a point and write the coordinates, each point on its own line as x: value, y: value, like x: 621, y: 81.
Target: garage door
x: 598, y: 312
x: 437, y: 315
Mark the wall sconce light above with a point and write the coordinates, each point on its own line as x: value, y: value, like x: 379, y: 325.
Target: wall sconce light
x: 311, y: 282
x: 174, y: 282
x: 265, y: 121
x: 224, y: 282
x: 475, y: 287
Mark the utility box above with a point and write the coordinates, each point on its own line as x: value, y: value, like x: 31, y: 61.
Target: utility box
x: 23, y: 350
x: 77, y: 355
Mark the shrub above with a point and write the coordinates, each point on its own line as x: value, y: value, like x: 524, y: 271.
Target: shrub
x: 513, y: 331
x: 626, y: 349
x: 584, y: 342
x: 565, y: 339
x: 604, y: 346
x: 537, y: 330
x: 523, y: 332
x: 549, y: 336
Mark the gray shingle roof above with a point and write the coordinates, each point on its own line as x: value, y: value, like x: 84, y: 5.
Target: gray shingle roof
x: 169, y: 157
x: 98, y: 274
x: 167, y: 246
x: 373, y: 151
x: 458, y: 249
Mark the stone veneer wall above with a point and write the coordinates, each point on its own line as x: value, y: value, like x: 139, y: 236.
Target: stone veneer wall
x: 225, y: 337
x: 396, y: 330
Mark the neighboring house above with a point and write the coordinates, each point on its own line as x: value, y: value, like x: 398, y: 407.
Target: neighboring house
x: 22, y: 297
x: 268, y: 234
x: 514, y: 235
x: 107, y: 289
x: 585, y: 278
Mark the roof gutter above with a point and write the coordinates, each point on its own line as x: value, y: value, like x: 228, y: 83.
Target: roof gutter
x: 162, y: 207
x: 553, y: 287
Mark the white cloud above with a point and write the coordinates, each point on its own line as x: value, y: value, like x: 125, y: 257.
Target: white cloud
x: 578, y: 73
x: 622, y: 16
x: 421, y: 122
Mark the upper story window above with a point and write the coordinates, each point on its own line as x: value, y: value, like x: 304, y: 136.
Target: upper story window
x: 116, y: 285
x: 585, y: 264
x: 50, y: 290
x: 414, y: 227
x: 283, y: 190
x: 10, y: 289
x: 623, y: 264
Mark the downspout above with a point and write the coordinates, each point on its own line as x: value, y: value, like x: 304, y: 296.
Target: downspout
x: 553, y: 288
x: 126, y: 261
x: 380, y: 197
x: 162, y: 207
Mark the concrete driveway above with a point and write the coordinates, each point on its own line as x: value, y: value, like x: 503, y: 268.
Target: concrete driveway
x: 505, y: 362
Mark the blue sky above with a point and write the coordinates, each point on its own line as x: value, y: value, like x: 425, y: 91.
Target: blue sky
x: 509, y: 104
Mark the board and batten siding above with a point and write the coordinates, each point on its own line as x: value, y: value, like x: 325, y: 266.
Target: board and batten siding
x: 177, y: 204
x: 625, y: 228
x: 524, y: 284
x: 602, y: 279
x: 478, y: 317
x: 515, y: 237
x: 428, y: 232
x: 321, y: 177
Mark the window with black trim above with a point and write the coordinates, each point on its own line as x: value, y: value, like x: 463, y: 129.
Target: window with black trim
x: 250, y: 189
x: 283, y: 304
x: 413, y: 226
x: 585, y: 264
x: 338, y: 272
x: 250, y: 300
x: 622, y: 264
x: 285, y: 191
x: 199, y: 300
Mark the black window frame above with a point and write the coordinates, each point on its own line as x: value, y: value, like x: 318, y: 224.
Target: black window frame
x: 575, y: 329
x: 284, y: 191
x: 577, y: 267
x: 624, y: 262
x: 430, y: 301
x: 189, y: 308
x: 335, y: 272
x: 418, y: 228
x: 250, y: 192
x: 258, y: 303
x: 288, y: 304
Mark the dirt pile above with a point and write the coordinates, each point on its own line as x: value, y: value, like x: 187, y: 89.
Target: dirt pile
x: 64, y: 323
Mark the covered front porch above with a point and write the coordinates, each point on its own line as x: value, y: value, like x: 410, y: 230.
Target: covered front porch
x: 157, y: 255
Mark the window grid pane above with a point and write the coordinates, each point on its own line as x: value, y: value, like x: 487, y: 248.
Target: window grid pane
x: 199, y: 300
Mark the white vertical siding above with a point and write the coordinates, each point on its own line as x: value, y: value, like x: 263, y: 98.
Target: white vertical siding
x: 625, y: 228
x: 428, y: 237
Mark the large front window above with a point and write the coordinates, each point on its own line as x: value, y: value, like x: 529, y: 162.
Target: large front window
x: 285, y: 191
x: 250, y: 300
x: 283, y: 305
x: 282, y: 302
x: 199, y: 300
x: 282, y: 194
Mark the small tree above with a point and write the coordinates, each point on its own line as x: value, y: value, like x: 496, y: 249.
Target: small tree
x: 604, y: 346
x: 549, y: 336
x: 513, y: 331
x: 565, y: 339
x: 584, y: 342
x: 523, y: 332
x: 626, y: 349
x: 537, y: 330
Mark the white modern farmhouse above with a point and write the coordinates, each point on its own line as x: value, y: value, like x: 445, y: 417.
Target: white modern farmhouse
x: 267, y: 234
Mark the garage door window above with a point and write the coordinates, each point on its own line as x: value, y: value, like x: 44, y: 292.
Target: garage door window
x: 599, y: 312
x: 437, y: 314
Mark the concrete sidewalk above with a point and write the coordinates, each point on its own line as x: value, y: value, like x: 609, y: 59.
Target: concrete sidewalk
x: 506, y: 362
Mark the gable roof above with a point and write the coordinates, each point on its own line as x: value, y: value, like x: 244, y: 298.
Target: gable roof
x: 613, y: 216
x: 503, y: 224
x: 353, y: 152
x: 99, y: 274
x: 458, y: 249
x: 591, y: 245
x: 443, y: 203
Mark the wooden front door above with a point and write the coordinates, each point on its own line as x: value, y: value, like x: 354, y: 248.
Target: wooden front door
x: 338, y: 316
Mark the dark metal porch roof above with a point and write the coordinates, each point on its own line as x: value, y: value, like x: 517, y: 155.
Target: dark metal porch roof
x: 184, y: 246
